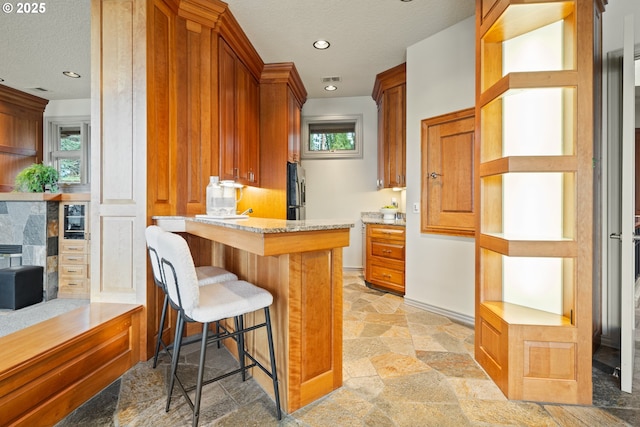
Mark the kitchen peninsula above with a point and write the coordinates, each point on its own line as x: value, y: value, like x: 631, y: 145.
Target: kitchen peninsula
x: 300, y: 263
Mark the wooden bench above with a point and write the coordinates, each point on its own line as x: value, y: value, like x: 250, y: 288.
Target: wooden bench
x: 49, y: 369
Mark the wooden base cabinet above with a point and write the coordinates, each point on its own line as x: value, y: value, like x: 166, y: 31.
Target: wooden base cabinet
x: 385, y: 257
x: 73, y: 255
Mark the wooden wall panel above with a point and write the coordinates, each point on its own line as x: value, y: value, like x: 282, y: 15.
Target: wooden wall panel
x: 160, y: 169
x: 194, y: 106
x: 119, y: 152
x: 116, y: 270
x: 117, y: 101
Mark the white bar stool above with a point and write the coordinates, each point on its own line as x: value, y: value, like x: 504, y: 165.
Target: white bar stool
x: 207, y: 304
x: 207, y: 275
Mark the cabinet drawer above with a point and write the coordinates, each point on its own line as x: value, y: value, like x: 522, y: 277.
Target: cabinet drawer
x: 386, y: 275
x: 77, y: 246
x: 69, y: 285
x: 73, y: 270
x: 387, y: 250
x: 73, y: 259
x: 386, y: 232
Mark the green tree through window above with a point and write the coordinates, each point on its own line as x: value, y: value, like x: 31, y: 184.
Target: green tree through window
x: 332, y: 136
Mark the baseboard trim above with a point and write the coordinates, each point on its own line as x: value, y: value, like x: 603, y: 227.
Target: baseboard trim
x: 454, y: 316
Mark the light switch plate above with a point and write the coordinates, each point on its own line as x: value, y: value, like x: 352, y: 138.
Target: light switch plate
x: 416, y: 208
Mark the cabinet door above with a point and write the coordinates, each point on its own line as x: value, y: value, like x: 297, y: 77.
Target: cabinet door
x: 294, y: 127
x: 383, y: 156
x: 448, y: 144
x: 247, y: 100
x: 395, y: 135
x: 227, y: 73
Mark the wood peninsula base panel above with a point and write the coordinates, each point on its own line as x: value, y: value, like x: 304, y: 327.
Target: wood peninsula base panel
x: 303, y: 271
x: 306, y: 317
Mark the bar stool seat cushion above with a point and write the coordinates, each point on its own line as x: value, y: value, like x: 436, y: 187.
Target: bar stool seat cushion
x: 229, y: 299
x: 208, y: 274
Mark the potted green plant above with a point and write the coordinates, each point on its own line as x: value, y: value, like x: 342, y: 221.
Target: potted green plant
x: 37, y: 178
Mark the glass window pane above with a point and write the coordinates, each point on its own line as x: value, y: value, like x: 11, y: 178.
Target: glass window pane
x: 70, y: 138
x: 331, y: 137
x: 69, y: 170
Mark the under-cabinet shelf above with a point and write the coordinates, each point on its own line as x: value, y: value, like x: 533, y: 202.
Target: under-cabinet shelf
x: 510, y: 19
x: 515, y: 82
x: 528, y: 164
x: 537, y: 248
x: 516, y: 314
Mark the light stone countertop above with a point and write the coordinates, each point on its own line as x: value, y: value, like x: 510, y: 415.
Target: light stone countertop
x: 256, y: 225
x: 376, y: 218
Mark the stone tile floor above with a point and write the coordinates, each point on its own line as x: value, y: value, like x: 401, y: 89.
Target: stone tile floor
x: 403, y: 366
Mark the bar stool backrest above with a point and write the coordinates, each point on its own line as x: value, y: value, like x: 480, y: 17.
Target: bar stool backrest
x: 179, y: 271
x: 151, y: 234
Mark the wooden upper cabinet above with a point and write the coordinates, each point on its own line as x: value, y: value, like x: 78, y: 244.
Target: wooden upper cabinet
x: 20, y: 133
x: 389, y: 92
x: 239, y: 119
x: 282, y: 95
x: 447, y: 174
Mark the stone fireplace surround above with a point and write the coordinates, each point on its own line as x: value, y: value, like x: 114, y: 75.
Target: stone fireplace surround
x: 31, y: 220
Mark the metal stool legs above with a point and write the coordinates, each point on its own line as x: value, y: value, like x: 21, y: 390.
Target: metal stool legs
x: 159, y: 341
x: 274, y: 370
x: 238, y: 335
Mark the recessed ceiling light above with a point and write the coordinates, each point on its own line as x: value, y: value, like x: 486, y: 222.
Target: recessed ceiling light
x: 321, y: 44
x: 330, y: 88
x: 71, y: 74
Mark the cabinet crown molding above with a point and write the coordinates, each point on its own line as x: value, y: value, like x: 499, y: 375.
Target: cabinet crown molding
x: 22, y: 99
x: 205, y: 12
x: 286, y: 73
x: 387, y: 79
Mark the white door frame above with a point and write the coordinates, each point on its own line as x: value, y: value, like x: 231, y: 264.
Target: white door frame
x: 611, y: 249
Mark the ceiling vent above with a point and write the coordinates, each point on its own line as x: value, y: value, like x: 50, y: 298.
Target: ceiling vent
x: 331, y: 79
x: 39, y: 89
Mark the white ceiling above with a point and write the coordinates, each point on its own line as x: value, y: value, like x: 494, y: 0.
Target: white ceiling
x: 37, y: 48
x: 367, y: 37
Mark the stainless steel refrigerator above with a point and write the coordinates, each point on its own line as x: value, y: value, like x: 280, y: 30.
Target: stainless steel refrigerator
x: 295, y: 191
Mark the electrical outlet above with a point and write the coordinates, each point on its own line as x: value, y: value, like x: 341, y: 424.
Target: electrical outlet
x: 416, y: 208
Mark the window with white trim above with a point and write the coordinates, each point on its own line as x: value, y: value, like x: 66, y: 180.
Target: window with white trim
x: 68, y: 142
x: 331, y: 137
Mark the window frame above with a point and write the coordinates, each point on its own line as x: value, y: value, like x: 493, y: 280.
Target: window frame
x: 356, y: 153
x: 52, y: 141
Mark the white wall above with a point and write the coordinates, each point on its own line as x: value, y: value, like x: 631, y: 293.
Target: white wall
x: 68, y: 107
x: 343, y: 188
x: 440, y: 270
